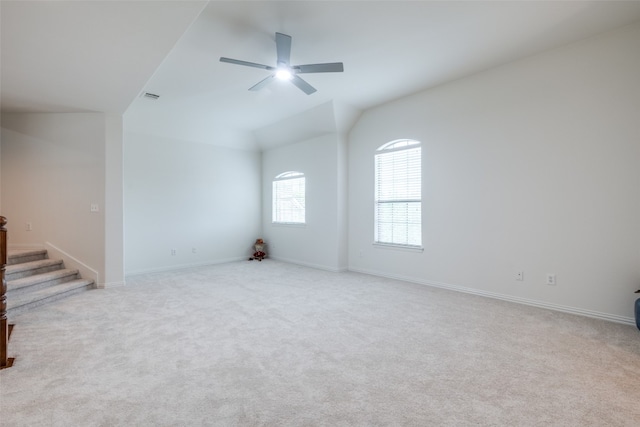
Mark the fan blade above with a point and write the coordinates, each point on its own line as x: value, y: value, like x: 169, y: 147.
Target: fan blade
x: 333, y: 67
x: 262, y: 83
x: 245, y: 63
x: 304, y: 86
x: 283, y: 47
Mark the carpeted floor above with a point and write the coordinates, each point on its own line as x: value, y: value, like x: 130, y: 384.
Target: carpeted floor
x: 272, y: 344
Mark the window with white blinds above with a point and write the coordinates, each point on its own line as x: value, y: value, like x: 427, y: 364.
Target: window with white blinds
x: 289, y: 198
x: 398, y: 193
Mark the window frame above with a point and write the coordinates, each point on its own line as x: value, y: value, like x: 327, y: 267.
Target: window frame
x: 411, y: 187
x: 278, y: 212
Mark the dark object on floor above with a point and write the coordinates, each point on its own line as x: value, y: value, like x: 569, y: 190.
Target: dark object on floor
x: 10, y: 360
x: 638, y: 310
x: 259, y: 255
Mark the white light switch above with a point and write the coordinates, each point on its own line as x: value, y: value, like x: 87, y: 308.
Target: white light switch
x: 94, y: 207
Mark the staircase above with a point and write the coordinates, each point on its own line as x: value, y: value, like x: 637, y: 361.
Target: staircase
x: 33, y: 279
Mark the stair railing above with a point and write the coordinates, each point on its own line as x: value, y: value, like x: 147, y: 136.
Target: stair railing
x: 4, y: 324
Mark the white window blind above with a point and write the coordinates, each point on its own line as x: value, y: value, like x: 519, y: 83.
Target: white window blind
x: 398, y: 193
x: 289, y: 198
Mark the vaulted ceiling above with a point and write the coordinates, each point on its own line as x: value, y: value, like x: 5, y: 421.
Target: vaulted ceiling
x: 102, y: 55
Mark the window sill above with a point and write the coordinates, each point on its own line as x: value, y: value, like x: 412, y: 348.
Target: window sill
x: 289, y: 224
x: 405, y: 248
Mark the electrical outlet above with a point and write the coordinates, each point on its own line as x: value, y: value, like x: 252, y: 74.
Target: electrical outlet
x: 520, y: 276
x: 173, y: 251
x: 29, y: 227
x: 551, y: 279
x: 193, y: 250
x: 94, y: 208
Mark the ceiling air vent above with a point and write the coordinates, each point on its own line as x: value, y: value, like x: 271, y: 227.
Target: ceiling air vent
x: 150, y: 95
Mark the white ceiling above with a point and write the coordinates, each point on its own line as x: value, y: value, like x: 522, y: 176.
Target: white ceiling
x: 62, y: 56
x: 100, y: 56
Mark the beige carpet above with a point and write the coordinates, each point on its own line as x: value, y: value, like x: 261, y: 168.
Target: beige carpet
x: 272, y: 344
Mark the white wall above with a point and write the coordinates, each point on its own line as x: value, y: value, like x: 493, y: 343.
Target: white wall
x: 342, y: 227
x: 114, y: 206
x: 183, y: 195
x: 532, y: 166
x: 1, y: 132
x: 52, y: 171
x: 316, y: 243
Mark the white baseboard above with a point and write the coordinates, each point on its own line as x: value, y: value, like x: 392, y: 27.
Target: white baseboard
x: 525, y: 301
x: 85, y: 271
x: 182, y: 266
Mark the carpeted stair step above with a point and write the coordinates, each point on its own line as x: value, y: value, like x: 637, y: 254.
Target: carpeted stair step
x: 25, y: 301
x: 21, y: 256
x: 39, y: 281
x: 33, y: 279
x: 31, y: 268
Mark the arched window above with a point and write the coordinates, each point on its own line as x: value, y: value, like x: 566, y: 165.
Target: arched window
x: 398, y: 193
x: 289, y: 198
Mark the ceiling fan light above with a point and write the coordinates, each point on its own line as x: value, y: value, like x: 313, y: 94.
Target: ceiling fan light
x: 284, y: 74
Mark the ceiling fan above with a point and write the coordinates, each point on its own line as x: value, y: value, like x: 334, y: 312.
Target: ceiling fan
x: 284, y: 70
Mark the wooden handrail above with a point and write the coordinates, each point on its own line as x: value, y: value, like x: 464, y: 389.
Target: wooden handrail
x: 4, y: 324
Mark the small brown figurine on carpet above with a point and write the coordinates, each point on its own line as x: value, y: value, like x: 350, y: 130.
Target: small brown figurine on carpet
x: 259, y: 254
